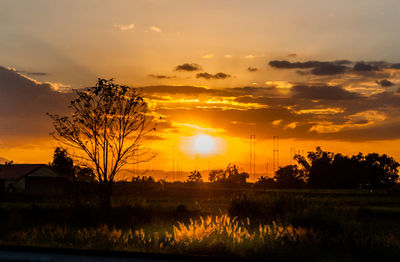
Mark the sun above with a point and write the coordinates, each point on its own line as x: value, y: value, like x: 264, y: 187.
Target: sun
x: 203, y: 144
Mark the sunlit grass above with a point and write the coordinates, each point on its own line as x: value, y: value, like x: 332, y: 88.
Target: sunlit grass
x: 212, y: 235
x: 207, y: 233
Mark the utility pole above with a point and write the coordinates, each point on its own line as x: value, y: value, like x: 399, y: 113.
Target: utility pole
x: 253, y: 156
x: 275, y: 152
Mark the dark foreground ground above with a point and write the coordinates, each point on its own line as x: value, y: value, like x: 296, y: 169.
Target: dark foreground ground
x: 191, y: 221
x: 19, y: 253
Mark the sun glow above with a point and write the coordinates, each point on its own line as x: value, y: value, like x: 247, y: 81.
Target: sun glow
x: 204, y: 144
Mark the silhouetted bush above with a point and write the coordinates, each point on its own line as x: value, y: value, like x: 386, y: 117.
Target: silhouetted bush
x: 296, y: 209
x: 322, y: 169
x: 230, y: 176
x: 265, y: 183
x: 289, y: 177
x: 194, y: 177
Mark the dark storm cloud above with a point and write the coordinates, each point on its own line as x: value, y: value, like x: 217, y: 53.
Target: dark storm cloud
x: 384, y: 83
x: 328, y: 69
x: 161, y: 76
x: 188, y: 67
x: 25, y: 102
x: 385, y: 99
x: 317, y: 67
x: 196, y: 90
x: 298, y: 111
x: 323, y: 92
x: 313, y: 109
x: 250, y: 90
x: 362, y: 66
x: 283, y: 64
x: 241, y: 122
x: 342, y: 62
x: 252, y: 69
x: 331, y: 68
x: 395, y: 66
x: 308, y: 108
x: 185, y: 90
x: 385, y: 131
x: 208, y: 76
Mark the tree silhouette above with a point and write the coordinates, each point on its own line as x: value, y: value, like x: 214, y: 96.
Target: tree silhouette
x: 320, y: 170
x: 380, y: 170
x: 216, y: 175
x: 233, y: 176
x: 63, y: 164
x: 194, y: 177
x: 105, y: 130
x: 323, y: 169
x: 265, y: 182
x: 84, y: 174
x: 289, y: 177
x: 230, y: 175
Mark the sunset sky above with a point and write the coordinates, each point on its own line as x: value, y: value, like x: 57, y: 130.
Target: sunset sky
x: 314, y: 73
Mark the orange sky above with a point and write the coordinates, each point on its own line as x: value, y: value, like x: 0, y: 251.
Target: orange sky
x: 321, y: 74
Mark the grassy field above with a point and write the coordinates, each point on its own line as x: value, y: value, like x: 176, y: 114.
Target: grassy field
x: 313, y: 225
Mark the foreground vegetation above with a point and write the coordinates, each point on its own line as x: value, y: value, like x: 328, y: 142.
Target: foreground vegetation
x: 330, y: 225
x: 210, y: 235
x: 221, y: 236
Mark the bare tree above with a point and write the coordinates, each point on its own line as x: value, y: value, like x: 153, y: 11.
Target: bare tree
x: 105, y: 130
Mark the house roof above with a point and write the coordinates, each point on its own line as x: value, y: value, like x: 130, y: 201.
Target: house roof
x: 17, y: 171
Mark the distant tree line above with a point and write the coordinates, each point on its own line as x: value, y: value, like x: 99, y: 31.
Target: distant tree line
x: 318, y: 169
x: 230, y: 176
x: 322, y: 169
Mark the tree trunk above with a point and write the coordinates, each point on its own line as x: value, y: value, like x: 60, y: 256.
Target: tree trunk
x: 106, y: 194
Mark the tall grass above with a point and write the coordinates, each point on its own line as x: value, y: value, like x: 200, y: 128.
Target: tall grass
x: 274, y: 225
x: 219, y: 235
x: 209, y: 235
